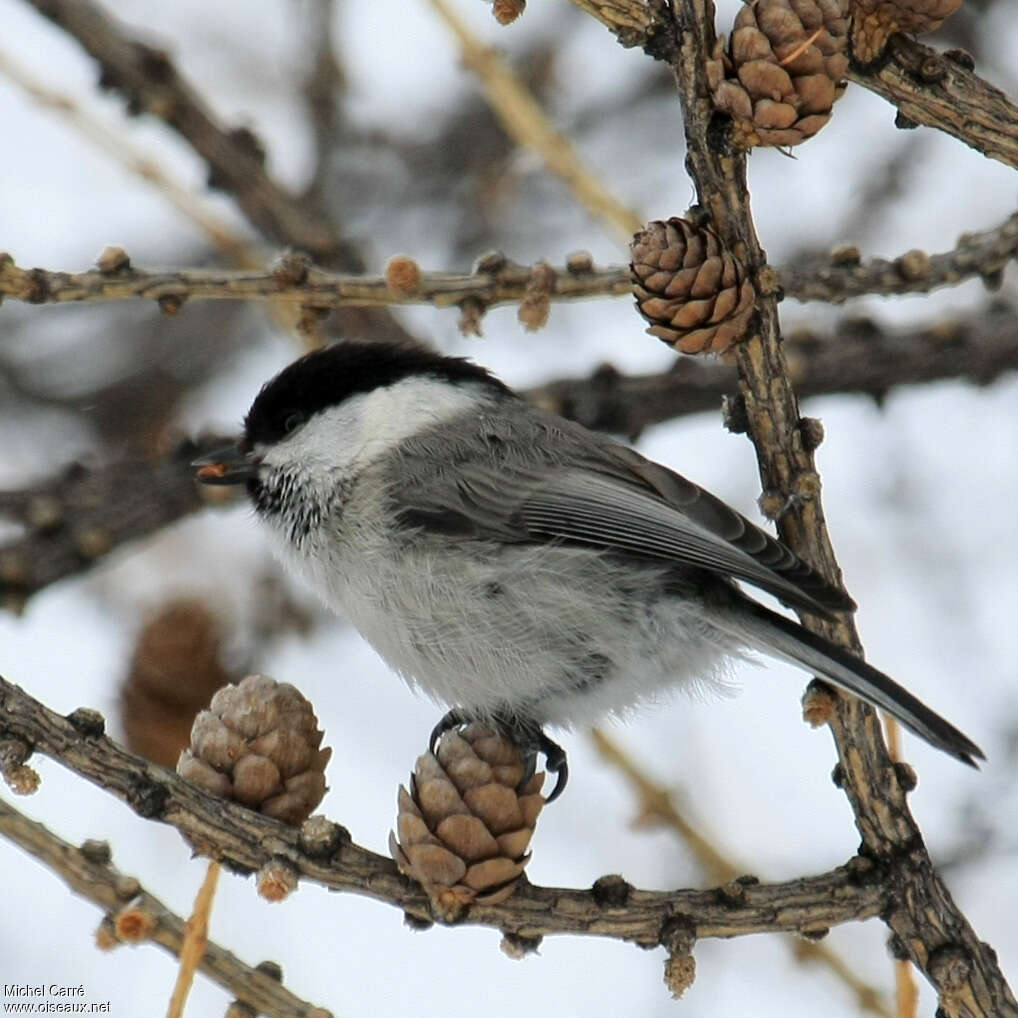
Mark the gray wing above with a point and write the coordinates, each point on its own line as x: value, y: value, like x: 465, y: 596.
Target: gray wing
x: 544, y: 479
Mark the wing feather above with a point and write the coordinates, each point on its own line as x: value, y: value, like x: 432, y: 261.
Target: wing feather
x: 538, y: 478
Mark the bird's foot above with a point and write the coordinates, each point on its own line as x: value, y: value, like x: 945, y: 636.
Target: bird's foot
x: 527, y: 736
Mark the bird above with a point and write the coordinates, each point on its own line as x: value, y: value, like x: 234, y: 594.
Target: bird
x: 513, y: 565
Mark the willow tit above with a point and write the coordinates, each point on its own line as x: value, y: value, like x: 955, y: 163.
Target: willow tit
x: 512, y: 564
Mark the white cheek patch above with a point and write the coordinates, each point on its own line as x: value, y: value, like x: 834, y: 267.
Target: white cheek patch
x: 369, y: 425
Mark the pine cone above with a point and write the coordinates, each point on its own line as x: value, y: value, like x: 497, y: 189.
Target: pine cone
x: 465, y: 825
x: 875, y: 21
x: 692, y: 290
x: 782, y: 69
x: 259, y: 743
x: 174, y: 671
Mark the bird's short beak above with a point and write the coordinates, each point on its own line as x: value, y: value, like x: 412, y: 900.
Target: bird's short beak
x: 231, y: 465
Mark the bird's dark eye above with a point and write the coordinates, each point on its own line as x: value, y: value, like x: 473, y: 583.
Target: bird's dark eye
x: 292, y: 421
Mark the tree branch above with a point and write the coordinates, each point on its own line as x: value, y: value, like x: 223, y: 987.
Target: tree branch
x: 75, y: 518
x: 930, y: 929
x: 926, y: 87
x: 983, y: 255
x: 88, y: 875
x: 245, y: 841
x: 219, y: 232
x: 235, y: 158
x: 858, y: 358
x: 152, y: 84
x: 524, y: 120
x: 931, y: 89
x: 506, y: 285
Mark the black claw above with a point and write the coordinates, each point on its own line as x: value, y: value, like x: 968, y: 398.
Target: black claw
x: 450, y: 720
x: 557, y: 763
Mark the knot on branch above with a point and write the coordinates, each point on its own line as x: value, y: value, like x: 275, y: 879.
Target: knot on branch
x: 678, y: 937
x: 134, y: 924
x: 321, y: 839
x: 402, y: 275
x: 536, y: 304
x: 472, y: 311
x: 20, y: 778
x: 507, y: 11
x: 277, y: 880
x: 291, y: 268
x: 114, y: 261
x: 950, y: 967
x: 517, y: 946
x: 611, y: 891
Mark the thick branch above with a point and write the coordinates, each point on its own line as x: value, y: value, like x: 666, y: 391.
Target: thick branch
x: 927, y: 88
x: 246, y: 840
x: 88, y: 875
x: 982, y: 255
x: 930, y: 929
x: 931, y: 89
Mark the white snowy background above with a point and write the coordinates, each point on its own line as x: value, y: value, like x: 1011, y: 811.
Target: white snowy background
x: 920, y: 497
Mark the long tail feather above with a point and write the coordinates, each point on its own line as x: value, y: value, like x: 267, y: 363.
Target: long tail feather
x: 786, y: 639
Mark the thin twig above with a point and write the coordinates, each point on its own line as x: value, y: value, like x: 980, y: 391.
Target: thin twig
x: 524, y: 120
x: 92, y: 877
x: 196, y: 938
x: 152, y: 84
x: 906, y: 992
x: 242, y: 839
x: 217, y: 230
x: 982, y: 255
x: 658, y: 802
x: 319, y: 288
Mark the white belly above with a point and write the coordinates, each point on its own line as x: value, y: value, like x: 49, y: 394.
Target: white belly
x: 545, y: 631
